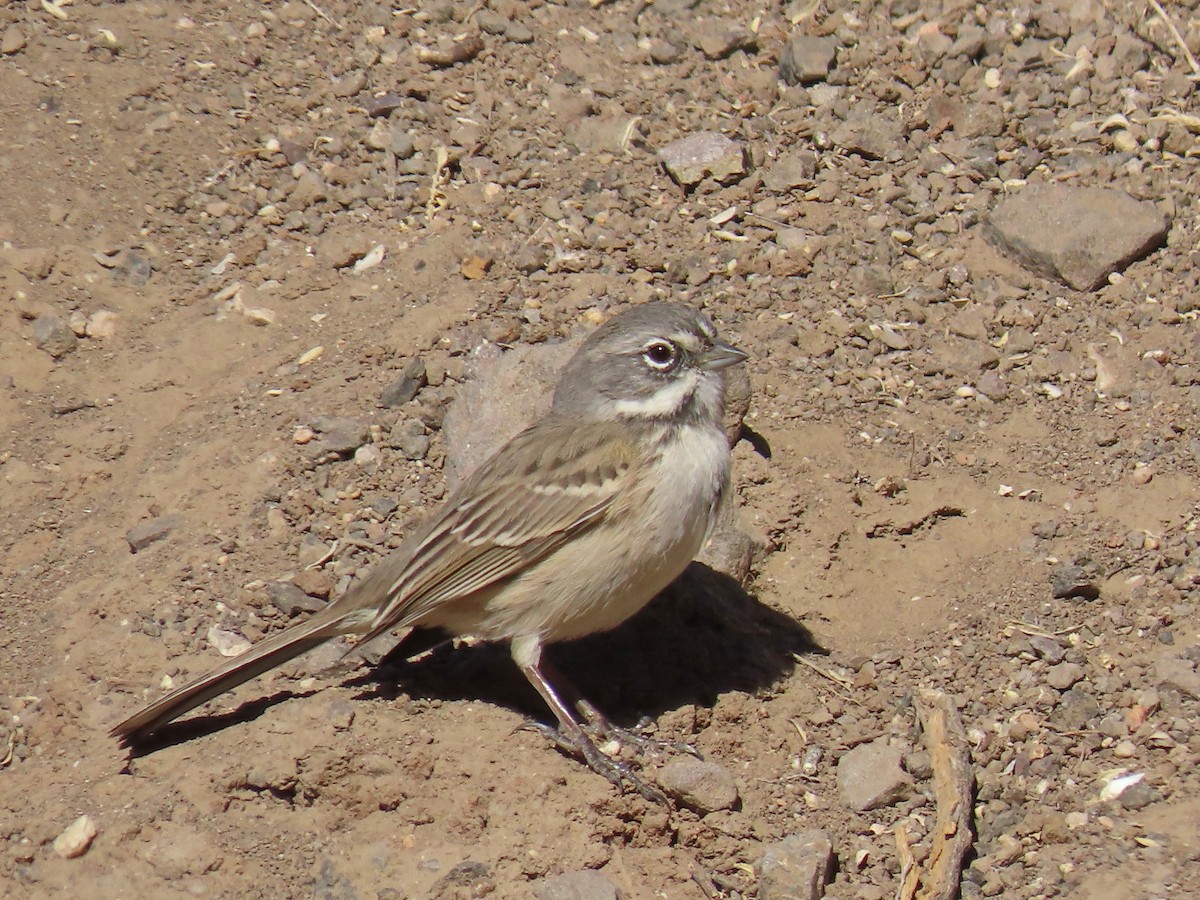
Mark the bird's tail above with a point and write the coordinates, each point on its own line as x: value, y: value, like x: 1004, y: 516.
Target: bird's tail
x: 331, y: 622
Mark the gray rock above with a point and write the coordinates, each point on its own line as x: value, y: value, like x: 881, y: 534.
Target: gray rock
x: 796, y: 868
x: 340, y: 435
x: 718, y: 39
x: 150, y: 531
x: 290, y: 600
x: 1048, y: 649
x: 1075, y: 710
x: 1064, y: 675
x: 691, y: 159
x: 1073, y: 580
x: 873, y: 136
x: 792, y: 168
x: 504, y: 393
x: 54, y: 335
x: 870, y: 776
x: 1178, y: 674
x: 401, y: 391
x: 807, y: 59
x: 1076, y: 235
x: 1138, y: 796
x: 584, y: 885
x: 409, y: 438
x: 699, y: 784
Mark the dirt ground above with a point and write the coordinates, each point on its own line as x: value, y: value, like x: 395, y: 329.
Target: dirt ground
x: 963, y: 476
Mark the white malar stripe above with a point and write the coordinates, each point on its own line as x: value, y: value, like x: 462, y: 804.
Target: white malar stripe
x: 666, y: 401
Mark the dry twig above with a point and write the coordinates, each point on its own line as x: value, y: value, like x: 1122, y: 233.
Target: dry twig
x: 1183, y: 47
x: 324, y: 15
x: 910, y: 872
x: 954, y: 786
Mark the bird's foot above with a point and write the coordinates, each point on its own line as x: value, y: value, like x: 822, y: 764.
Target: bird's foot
x: 600, y: 728
x: 618, y: 773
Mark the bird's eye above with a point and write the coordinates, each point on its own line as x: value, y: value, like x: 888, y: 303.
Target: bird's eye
x: 660, y: 355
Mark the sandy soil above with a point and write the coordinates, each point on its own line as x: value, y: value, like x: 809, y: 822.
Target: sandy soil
x: 936, y: 436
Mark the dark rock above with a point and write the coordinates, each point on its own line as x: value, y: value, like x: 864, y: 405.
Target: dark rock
x: 340, y: 435
x: 403, y: 390
x: 1073, y: 580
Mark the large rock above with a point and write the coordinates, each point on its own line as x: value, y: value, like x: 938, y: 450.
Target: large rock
x: 796, y: 868
x: 870, y: 776
x: 1076, y: 235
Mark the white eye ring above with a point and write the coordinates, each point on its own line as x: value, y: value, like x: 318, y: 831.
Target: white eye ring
x: 661, y: 355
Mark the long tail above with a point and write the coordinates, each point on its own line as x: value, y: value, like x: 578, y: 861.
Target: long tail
x: 275, y: 651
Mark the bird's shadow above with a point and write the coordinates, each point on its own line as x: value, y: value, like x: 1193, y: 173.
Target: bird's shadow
x: 704, y: 635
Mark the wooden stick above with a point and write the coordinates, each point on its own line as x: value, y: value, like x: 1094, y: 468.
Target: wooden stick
x: 1182, y: 44
x: 954, y: 787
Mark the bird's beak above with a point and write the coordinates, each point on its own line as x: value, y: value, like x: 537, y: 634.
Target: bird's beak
x: 722, y: 356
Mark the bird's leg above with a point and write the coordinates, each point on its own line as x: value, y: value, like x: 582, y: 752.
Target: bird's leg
x: 574, y: 739
x: 599, y: 724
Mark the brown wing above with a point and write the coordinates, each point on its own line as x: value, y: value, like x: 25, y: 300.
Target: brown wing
x: 547, y: 485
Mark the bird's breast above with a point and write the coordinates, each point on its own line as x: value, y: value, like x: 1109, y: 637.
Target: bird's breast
x: 609, y: 572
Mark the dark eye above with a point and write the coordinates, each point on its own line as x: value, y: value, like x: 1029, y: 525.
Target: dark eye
x: 660, y: 355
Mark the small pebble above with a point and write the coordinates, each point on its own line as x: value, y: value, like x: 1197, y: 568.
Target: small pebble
x: 702, y: 785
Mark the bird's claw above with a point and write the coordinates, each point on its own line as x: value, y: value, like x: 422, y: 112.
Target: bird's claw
x: 619, y: 774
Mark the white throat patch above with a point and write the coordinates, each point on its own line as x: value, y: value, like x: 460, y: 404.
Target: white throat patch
x: 664, y: 402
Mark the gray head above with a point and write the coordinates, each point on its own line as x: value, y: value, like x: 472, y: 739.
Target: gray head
x: 654, y: 361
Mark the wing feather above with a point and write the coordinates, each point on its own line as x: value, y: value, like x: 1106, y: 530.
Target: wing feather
x: 547, y: 485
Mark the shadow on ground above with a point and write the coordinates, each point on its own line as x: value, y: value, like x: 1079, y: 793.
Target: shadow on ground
x: 701, y: 637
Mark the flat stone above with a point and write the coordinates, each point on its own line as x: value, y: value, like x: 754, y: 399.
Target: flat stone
x: 870, y: 776
x: 340, y: 435
x: 54, y: 335
x: 872, y: 136
x: 699, y: 784
x: 718, y: 39
x: 792, y: 168
x: 291, y: 600
x: 583, y: 885
x: 504, y: 392
x: 1178, y: 674
x: 796, y: 868
x: 226, y: 642
x: 807, y: 59
x: 707, y: 154
x: 150, y: 531
x: 1076, y: 235
x: 12, y: 41
x: 1064, y: 675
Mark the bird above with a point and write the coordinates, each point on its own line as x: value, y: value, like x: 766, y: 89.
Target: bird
x: 567, y: 530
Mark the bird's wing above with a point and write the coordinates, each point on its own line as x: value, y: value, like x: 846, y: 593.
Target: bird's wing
x: 547, y: 485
